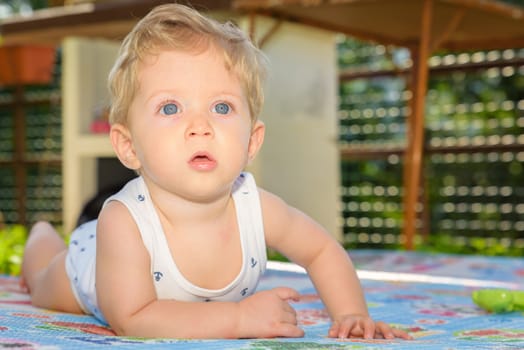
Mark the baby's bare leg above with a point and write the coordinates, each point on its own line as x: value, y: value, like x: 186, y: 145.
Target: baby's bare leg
x: 43, y: 270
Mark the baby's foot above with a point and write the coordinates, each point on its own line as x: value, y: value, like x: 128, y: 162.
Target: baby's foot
x: 23, y: 285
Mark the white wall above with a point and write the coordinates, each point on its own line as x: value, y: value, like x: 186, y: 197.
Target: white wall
x: 299, y: 160
x: 85, y: 65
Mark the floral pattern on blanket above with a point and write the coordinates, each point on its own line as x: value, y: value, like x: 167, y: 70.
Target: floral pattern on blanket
x: 437, y: 315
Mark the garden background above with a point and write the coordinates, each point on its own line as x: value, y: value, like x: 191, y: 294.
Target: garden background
x: 473, y: 198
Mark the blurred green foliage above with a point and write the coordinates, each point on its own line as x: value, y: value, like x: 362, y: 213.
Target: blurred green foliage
x: 474, y: 245
x: 12, y: 241
x: 474, y: 199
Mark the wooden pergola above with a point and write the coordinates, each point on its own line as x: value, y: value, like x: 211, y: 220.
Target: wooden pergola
x: 423, y: 26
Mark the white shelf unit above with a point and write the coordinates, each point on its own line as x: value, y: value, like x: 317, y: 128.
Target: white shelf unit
x: 86, y: 63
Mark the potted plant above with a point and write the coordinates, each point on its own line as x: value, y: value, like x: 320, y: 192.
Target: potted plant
x: 26, y: 64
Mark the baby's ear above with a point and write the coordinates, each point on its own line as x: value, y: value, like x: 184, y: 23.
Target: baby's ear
x: 123, y: 146
x: 257, y: 139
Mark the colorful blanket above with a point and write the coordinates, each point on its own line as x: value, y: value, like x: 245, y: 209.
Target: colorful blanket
x: 427, y: 295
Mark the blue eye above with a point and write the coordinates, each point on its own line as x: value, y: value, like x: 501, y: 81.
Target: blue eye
x: 222, y: 108
x: 169, y: 109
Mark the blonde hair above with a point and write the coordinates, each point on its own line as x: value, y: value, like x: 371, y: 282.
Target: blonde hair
x: 178, y: 27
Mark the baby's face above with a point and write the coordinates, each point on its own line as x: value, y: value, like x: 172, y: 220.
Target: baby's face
x: 190, y: 123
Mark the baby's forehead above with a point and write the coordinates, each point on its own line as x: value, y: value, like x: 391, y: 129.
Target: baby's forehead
x: 168, y: 62
x: 150, y: 55
x: 147, y: 59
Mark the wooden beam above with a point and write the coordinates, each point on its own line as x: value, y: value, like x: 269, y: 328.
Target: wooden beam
x: 451, y: 27
x: 352, y: 74
x: 415, y: 129
x: 20, y: 171
x: 112, y: 20
x: 368, y: 153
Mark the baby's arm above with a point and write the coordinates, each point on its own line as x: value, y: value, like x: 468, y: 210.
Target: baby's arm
x: 127, y: 297
x: 306, y: 243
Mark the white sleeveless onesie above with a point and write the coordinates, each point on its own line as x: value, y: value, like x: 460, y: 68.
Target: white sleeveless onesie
x: 168, y: 280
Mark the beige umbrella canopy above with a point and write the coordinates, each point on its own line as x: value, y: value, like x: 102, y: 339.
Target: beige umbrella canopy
x: 454, y: 24
x: 423, y: 26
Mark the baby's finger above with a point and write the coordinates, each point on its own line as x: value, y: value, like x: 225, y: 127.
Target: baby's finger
x: 333, y: 330
x: 349, y: 328
x: 290, y: 331
x: 385, y: 330
x: 290, y: 316
x: 391, y: 333
x: 286, y: 293
x: 368, y: 327
x: 401, y: 334
x: 289, y: 309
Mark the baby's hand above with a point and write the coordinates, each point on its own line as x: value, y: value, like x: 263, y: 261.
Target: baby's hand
x: 359, y: 326
x: 267, y: 314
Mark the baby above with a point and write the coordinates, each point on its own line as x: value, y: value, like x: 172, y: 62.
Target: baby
x: 178, y: 252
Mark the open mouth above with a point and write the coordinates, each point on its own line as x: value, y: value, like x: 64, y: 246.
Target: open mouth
x: 202, y: 157
x: 202, y: 161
